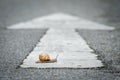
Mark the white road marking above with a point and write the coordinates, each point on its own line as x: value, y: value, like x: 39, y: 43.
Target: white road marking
x: 62, y: 39
x: 62, y: 20
x: 57, y: 16
x: 72, y: 49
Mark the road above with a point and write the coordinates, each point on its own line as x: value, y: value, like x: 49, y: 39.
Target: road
x: 15, y: 45
x: 16, y: 11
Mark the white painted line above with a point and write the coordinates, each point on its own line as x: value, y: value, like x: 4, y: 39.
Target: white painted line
x: 72, y: 49
x: 60, y: 20
x: 62, y: 39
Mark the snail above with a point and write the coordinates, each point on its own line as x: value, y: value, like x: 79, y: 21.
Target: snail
x: 45, y: 58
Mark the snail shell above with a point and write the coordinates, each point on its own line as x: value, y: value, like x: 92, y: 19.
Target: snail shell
x: 45, y: 58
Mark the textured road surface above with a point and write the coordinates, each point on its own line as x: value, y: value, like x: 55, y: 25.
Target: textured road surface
x: 16, y: 44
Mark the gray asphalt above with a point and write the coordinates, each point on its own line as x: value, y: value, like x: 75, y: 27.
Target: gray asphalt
x: 15, y: 45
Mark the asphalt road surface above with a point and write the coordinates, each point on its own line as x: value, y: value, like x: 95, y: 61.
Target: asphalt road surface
x: 15, y: 45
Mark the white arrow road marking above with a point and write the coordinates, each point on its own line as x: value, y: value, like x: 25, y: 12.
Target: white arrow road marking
x: 61, y: 20
x: 72, y: 49
x: 57, y: 16
x: 62, y: 39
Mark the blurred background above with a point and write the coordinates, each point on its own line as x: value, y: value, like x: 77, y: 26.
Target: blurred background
x: 16, y: 44
x: 101, y: 11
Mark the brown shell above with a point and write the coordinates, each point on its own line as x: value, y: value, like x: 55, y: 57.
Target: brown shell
x: 44, y: 57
